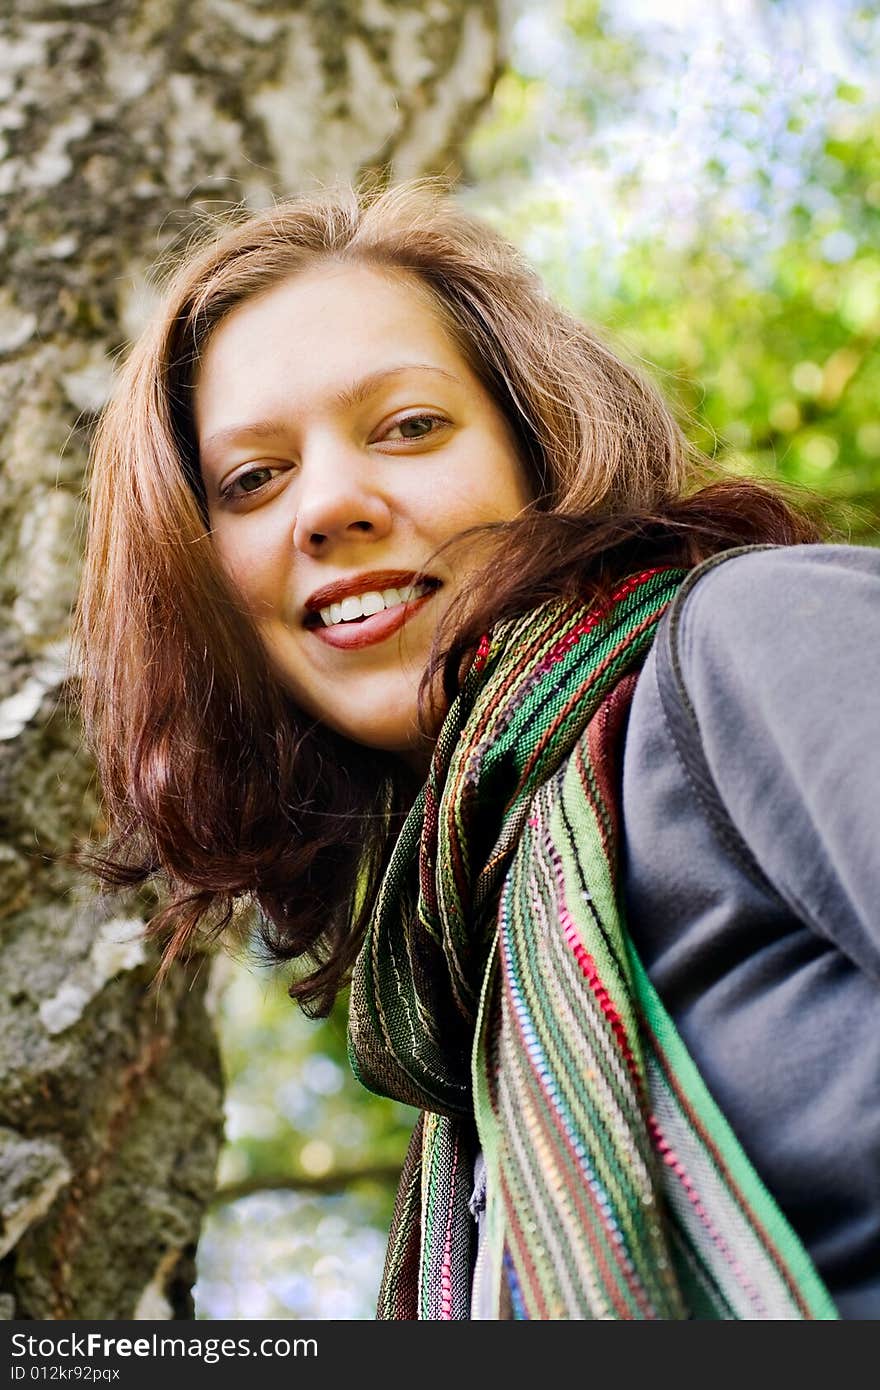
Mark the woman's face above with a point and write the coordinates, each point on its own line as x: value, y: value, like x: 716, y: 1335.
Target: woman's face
x: 342, y: 439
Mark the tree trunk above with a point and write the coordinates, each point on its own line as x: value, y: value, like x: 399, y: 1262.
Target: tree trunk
x: 120, y: 119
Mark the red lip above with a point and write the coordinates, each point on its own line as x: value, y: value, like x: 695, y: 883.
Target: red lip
x: 361, y: 584
x: 377, y: 628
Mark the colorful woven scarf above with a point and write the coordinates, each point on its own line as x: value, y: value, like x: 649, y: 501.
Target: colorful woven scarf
x: 497, y: 990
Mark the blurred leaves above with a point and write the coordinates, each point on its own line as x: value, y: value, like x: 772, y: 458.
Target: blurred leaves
x: 297, y: 1118
x: 704, y: 181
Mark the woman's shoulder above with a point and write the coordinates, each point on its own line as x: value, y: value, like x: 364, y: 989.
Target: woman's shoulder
x: 756, y: 712
x: 772, y: 605
x: 780, y: 581
x: 760, y: 652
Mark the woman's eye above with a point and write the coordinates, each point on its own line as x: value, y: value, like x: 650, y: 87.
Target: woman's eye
x: 248, y: 482
x: 415, y: 427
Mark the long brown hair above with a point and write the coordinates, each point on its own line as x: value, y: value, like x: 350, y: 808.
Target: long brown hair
x: 213, y: 779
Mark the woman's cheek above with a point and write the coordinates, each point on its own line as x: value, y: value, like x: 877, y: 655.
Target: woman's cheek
x: 249, y: 561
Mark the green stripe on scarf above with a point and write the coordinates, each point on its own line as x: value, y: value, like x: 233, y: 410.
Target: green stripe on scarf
x: 497, y: 990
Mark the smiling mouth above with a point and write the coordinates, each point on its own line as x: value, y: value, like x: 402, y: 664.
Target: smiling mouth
x: 359, y: 608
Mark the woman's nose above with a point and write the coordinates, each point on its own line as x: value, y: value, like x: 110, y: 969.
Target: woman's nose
x: 338, y: 501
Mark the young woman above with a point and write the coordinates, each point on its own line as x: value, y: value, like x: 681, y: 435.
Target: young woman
x: 408, y: 617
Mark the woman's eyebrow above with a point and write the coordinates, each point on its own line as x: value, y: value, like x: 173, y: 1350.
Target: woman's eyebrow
x: 366, y: 385
x: 231, y: 434
x: 347, y: 397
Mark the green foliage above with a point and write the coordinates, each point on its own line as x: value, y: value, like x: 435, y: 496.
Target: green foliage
x: 296, y: 1106
x: 713, y: 199
x: 296, y: 1118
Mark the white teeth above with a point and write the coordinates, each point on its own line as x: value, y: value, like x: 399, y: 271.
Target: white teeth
x: 351, y: 609
x: 371, y: 603
x: 365, y: 605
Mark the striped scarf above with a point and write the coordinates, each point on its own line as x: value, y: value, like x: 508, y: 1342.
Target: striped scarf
x: 497, y: 991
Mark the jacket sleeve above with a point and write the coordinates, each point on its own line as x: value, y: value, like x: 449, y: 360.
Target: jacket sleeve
x: 770, y: 680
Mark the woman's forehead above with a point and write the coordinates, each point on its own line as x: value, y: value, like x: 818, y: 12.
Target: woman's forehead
x: 335, y: 293
x: 323, y: 331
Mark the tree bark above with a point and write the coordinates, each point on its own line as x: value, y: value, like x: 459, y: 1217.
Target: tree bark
x: 119, y: 121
